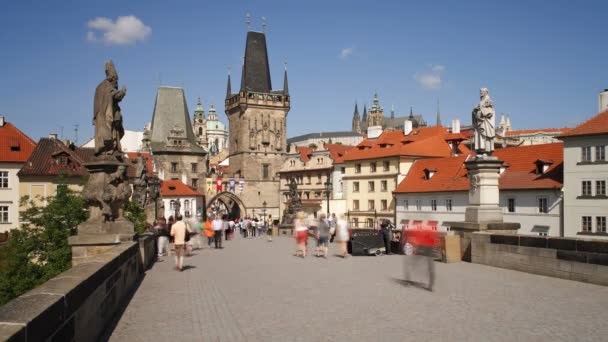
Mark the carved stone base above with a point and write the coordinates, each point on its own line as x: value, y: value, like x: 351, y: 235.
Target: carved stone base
x: 483, y: 214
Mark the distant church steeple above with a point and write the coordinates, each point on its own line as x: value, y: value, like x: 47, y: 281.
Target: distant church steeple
x: 285, y: 85
x: 228, y: 87
x: 364, y: 119
x: 356, y: 126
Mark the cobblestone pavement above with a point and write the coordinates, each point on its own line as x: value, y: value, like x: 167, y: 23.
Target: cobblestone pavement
x: 254, y: 290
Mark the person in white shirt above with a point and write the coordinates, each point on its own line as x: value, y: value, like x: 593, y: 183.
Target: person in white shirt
x: 217, y: 225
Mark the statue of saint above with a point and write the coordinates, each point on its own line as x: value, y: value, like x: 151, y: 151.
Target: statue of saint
x: 107, y: 117
x: 483, y: 124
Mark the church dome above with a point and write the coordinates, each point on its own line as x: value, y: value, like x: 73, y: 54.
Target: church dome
x: 216, y: 125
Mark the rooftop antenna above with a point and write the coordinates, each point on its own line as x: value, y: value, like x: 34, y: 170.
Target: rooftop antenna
x: 76, y: 134
x: 263, y: 24
x: 248, y: 20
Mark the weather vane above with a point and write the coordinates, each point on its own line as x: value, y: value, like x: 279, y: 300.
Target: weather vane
x: 248, y: 20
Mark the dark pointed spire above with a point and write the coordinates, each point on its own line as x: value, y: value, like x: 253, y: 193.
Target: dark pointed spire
x: 256, y: 73
x: 356, y: 109
x: 411, y: 112
x: 228, y: 86
x: 438, y: 115
x: 364, y: 118
x: 285, y: 84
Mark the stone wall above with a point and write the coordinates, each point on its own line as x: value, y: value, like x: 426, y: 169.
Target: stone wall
x: 80, y: 303
x: 568, y: 258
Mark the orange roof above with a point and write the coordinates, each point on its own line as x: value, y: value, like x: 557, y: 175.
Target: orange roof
x: 596, y: 125
x: 15, y: 146
x: 538, y: 130
x: 134, y: 156
x: 174, y: 188
x: 304, y: 152
x: 422, y: 142
x: 451, y: 174
x: 337, y: 151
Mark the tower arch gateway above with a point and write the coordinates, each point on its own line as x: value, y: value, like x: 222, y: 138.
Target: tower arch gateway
x: 227, y: 203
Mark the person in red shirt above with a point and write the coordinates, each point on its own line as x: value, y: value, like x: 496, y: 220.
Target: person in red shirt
x: 426, y: 245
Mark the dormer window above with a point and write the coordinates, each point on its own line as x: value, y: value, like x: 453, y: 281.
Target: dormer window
x: 429, y: 173
x: 542, y: 166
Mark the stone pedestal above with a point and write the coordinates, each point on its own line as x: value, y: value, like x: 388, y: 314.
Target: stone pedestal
x: 106, y: 192
x: 484, y: 211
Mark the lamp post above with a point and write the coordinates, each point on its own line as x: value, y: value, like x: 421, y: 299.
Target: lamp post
x: 177, y: 207
x: 155, y: 194
x: 328, y: 190
x: 264, y: 204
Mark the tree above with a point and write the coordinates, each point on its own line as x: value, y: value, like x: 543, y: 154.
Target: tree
x: 136, y: 214
x: 313, y: 146
x: 39, y: 250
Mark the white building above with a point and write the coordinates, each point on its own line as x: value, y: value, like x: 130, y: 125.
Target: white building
x: 436, y: 190
x: 130, y: 142
x: 319, y: 139
x: 585, y: 178
x: 173, y: 191
x: 15, y: 149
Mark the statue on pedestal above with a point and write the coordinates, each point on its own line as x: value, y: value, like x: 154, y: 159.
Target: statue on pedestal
x: 483, y: 124
x: 106, y: 114
x: 294, y: 203
x: 140, y: 184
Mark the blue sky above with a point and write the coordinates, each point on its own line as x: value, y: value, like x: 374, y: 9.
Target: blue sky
x: 544, y: 62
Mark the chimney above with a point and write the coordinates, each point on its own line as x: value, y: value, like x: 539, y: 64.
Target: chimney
x: 407, y: 127
x: 374, y: 132
x: 53, y: 136
x: 603, y: 101
x: 1, y: 120
x: 455, y: 126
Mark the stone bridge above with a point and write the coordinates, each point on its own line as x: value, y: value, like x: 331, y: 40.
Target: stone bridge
x: 254, y: 290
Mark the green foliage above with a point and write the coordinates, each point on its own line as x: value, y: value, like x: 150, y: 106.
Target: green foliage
x: 313, y: 146
x: 39, y: 250
x: 136, y: 214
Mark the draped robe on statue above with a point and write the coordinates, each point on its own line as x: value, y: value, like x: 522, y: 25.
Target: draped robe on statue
x: 107, y: 118
x: 483, y: 124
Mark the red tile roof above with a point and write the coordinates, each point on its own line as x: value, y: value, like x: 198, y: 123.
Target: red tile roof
x: 596, y: 125
x: 521, y: 173
x: 421, y: 142
x: 175, y: 188
x: 538, y: 130
x: 304, y: 152
x: 337, y: 151
x: 51, y: 157
x: 134, y: 156
x: 15, y: 146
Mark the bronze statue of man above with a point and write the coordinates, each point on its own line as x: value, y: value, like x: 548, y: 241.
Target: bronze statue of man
x: 107, y: 117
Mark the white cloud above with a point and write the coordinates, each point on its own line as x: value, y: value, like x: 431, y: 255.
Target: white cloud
x: 430, y: 78
x: 346, y: 52
x: 125, y: 30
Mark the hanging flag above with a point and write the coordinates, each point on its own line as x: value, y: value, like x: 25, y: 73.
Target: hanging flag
x: 232, y: 184
x: 218, y: 185
x: 241, y: 185
x: 209, y: 185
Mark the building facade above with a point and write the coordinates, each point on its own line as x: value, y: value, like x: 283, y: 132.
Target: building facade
x: 178, y: 196
x: 211, y: 133
x: 348, y: 138
x: 375, y: 117
x: 374, y: 168
x: 15, y: 150
x: 257, y: 118
x: 585, y: 178
x: 436, y: 190
x: 172, y: 143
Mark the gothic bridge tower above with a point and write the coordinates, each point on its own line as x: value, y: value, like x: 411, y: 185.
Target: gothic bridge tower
x: 257, y: 117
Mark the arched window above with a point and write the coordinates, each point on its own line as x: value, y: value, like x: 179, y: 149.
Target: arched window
x: 200, y: 131
x: 172, y: 205
x: 187, y: 208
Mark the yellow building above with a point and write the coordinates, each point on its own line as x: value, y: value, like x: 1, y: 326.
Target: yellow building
x: 375, y: 167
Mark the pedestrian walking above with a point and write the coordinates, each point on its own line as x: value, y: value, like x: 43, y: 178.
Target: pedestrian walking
x: 425, y: 244
x: 162, y: 233
x: 245, y: 226
x: 196, y: 240
x: 300, y: 233
x: 322, y: 236
x: 332, y: 221
x: 342, y: 235
x: 218, y: 226
x: 180, y: 233
x: 254, y: 226
x: 386, y: 229
x: 209, y: 231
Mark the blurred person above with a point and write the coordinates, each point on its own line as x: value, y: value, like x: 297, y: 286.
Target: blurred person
x: 269, y: 228
x: 300, y: 232
x: 425, y: 244
x: 179, y: 232
x: 322, y: 236
x: 386, y: 229
x: 209, y: 230
x: 196, y: 240
x: 163, y: 236
x: 342, y: 236
x: 332, y: 221
x: 218, y: 226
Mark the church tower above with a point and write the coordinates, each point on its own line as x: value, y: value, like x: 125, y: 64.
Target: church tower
x: 356, y: 127
x: 257, y: 117
x: 199, y: 125
x: 376, y: 113
x: 364, y: 119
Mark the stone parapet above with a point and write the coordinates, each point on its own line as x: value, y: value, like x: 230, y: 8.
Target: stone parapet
x: 575, y: 259
x: 80, y: 303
